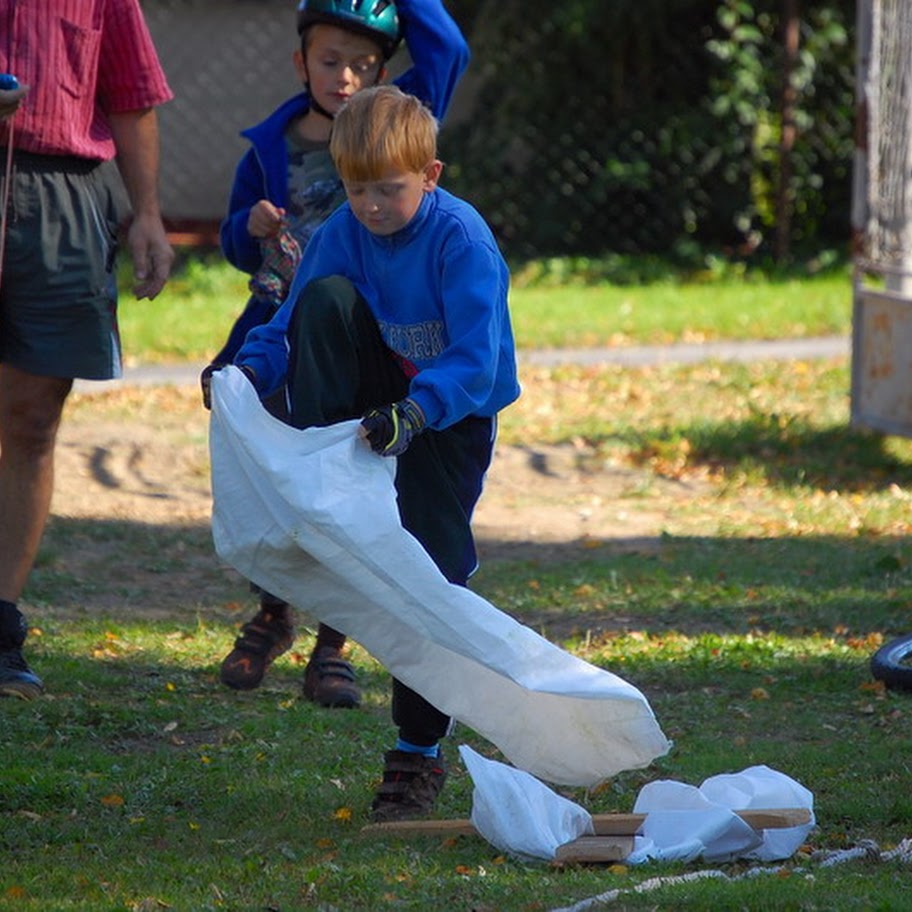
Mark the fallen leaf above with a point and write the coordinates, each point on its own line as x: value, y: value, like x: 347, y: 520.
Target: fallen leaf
x: 149, y: 904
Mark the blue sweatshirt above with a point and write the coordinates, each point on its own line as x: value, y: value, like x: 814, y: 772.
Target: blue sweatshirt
x: 438, y: 290
x: 439, y: 55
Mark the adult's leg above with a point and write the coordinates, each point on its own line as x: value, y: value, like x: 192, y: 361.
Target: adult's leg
x: 57, y: 317
x: 30, y: 411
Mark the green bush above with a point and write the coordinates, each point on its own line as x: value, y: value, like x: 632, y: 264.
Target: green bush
x: 643, y: 126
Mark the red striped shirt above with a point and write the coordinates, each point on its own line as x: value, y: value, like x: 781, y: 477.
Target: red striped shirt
x: 81, y: 59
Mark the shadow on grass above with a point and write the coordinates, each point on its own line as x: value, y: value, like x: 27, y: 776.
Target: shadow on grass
x: 114, y: 565
x: 805, y: 582
x: 795, y: 584
x: 786, y: 451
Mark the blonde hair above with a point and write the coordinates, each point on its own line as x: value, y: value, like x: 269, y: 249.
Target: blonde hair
x: 382, y: 128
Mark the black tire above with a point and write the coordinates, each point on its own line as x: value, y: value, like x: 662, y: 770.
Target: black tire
x: 889, y: 664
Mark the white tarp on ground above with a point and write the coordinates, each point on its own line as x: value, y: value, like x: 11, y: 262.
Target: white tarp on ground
x: 523, y: 817
x: 684, y: 823
x: 311, y: 516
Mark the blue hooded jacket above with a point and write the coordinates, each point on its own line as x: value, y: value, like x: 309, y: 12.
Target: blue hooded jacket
x: 438, y: 290
x: 439, y: 56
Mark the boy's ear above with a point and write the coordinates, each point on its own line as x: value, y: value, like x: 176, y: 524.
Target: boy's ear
x: 432, y: 174
x: 300, y: 65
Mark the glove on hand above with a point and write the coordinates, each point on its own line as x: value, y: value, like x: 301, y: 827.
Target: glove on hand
x: 206, y: 380
x: 206, y: 383
x: 389, y: 429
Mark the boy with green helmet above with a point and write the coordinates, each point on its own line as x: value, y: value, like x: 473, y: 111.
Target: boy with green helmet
x: 285, y: 186
x: 377, y: 19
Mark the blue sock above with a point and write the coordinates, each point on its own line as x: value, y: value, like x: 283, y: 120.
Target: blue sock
x: 408, y: 748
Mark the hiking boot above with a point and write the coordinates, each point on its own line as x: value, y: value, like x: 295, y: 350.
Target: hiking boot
x: 330, y: 681
x: 16, y: 678
x: 411, y: 784
x: 268, y: 634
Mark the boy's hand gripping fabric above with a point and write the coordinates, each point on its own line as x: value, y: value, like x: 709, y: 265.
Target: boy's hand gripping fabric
x: 389, y: 429
x: 206, y: 380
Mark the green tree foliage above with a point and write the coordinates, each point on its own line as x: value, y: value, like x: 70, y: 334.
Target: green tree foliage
x: 651, y: 125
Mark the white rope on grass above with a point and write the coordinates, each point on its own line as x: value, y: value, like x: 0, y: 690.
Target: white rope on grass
x: 655, y: 883
x: 903, y: 853
x: 867, y: 849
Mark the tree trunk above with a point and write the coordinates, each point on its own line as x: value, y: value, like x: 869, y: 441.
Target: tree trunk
x: 791, y: 26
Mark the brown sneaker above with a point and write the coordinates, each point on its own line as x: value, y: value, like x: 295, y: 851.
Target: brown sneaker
x: 330, y: 681
x: 268, y: 634
x: 410, y: 786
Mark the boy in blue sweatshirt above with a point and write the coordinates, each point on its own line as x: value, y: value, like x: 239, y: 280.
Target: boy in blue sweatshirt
x: 398, y: 314
x: 285, y: 186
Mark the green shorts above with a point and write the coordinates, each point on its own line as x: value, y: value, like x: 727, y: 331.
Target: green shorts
x: 58, y: 291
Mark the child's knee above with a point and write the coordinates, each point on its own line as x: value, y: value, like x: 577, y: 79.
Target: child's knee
x: 327, y: 295
x: 330, y: 304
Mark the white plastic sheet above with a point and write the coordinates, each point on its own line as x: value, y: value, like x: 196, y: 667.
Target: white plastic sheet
x: 517, y: 813
x: 311, y: 516
x: 523, y: 817
x: 684, y: 822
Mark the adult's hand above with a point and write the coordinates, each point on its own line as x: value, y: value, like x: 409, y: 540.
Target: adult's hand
x: 136, y: 138
x: 11, y: 101
x: 151, y: 254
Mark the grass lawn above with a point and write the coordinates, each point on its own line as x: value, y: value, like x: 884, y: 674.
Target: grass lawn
x: 748, y: 621
x: 192, y: 316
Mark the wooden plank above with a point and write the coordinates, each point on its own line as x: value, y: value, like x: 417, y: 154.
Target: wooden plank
x: 422, y: 828
x: 603, y: 824
x: 594, y: 850
x: 760, y: 819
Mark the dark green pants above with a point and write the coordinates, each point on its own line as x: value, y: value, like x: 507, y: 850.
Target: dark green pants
x: 58, y: 300
x: 339, y: 367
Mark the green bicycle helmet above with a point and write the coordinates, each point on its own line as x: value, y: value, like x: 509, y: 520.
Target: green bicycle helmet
x: 376, y: 19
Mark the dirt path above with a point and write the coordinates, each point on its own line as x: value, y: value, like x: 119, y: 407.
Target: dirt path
x: 130, y: 528
x: 540, y: 502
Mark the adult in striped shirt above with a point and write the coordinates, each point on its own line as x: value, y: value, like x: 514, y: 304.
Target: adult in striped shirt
x: 89, y: 82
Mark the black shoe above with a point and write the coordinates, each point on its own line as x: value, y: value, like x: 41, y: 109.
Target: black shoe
x: 263, y: 639
x: 411, y: 784
x: 16, y: 678
x: 330, y: 681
